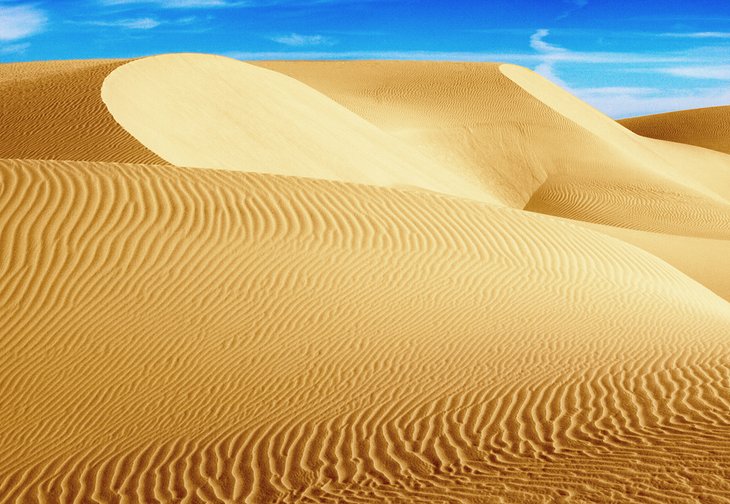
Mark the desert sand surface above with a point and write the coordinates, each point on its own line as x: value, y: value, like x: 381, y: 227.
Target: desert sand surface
x: 706, y: 127
x: 53, y: 110
x: 304, y: 286
x: 510, y: 127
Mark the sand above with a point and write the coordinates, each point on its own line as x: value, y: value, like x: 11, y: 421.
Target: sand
x: 706, y: 127
x: 269, y: 328
x: 214, y: 112
x: 53, y: 110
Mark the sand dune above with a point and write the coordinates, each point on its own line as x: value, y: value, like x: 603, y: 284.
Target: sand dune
x: 533, y: 143
x: 53, y: 110
x: 213, y: 112
x: 200, y: 335
x: 706, y: 127
x: 703, y: 259
x: 354, y: 307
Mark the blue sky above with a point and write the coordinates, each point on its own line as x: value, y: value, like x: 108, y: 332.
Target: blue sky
x: 624, y: 57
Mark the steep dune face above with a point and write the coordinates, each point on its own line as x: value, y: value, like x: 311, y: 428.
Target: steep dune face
x: 214, y: 112
x: 533, y: 143
x: 53, y: 110
x: 651, y: 186
x: 459, y: 113
x: 180, y: 335
x: 706, y: 127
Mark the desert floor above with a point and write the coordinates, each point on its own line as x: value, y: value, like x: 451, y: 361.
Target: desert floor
x: 356, y: 282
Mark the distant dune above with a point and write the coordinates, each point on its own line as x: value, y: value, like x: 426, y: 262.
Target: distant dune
x: 533, y: 143
x: 53, y: 110
x: 706, y: 127
x: 353, y: 282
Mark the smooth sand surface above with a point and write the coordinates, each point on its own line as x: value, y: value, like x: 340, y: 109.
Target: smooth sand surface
x: 706, y: 127
x: 214, y: 112
x: 283, y: 330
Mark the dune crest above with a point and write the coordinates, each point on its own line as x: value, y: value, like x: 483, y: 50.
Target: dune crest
x: 208, y: 111
x: 531, y: 142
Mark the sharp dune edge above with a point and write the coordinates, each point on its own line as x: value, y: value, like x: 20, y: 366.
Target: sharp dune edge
x: 318, y: 331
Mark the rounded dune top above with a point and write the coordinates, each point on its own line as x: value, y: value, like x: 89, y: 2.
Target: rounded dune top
x: 209, y: 111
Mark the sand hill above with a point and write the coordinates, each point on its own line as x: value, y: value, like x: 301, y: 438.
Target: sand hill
x: 533, y: 143
x: 324, y: 286
x: 53, y: 110
x: 707, y: 127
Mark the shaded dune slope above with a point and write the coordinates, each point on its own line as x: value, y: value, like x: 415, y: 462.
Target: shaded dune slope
x: 533, y: 143
x: 206, y: 111
x: 53, y: 110
x: 705, y: 127
x: 199, y: 335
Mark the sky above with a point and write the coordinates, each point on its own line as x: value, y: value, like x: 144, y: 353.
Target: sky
x: 624, y: 57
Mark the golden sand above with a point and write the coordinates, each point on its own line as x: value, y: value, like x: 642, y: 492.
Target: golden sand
x: 706, y: 127
x: 325, y: 287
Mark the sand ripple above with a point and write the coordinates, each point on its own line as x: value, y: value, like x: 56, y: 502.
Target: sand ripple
x: 206, y: 336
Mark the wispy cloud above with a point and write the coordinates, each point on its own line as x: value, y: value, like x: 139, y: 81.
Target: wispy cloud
x: 538, y: 43
x: 14, y: 48
x: 179, y: 4
x: 549, y: 52
x: 628, y: 102
x: 299, y: 40
x: 145, y: 23
x: 697, y: 35
x: 713, y: 72
x: 21, y: 21
x: 624, y: 101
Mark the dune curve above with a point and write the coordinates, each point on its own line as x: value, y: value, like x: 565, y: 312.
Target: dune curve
x: 214, y: 112
x: 530, y: 142
x: 203, y: 335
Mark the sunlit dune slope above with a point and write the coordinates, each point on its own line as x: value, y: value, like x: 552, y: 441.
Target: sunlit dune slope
x: 179, y: 335
x: 706, y: 127
x: 53, y: 110
x: 533, y: 143
x: 705, y: 260
x: 208, y: 111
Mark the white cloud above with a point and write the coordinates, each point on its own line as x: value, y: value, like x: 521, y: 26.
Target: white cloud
x: 698, y: 35
x: 549, y: 53
x: 178, y: 4
x: 519, y: 58
x: 298, y: 40
x: 714, y: 72
x: 620, y: 90
x: 21, y: 21
x: 628, y: 102
x: 538, y: 44
x: 145, y: 23
x: 14, y: 48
